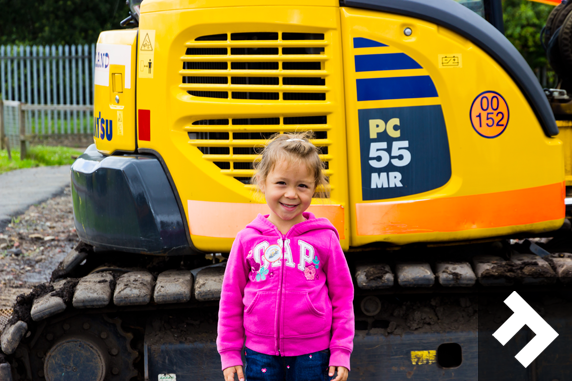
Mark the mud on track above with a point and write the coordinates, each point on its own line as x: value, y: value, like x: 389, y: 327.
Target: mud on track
x: 33, y: 244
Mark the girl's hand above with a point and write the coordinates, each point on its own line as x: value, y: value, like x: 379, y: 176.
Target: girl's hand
x: 230, y: 371
x: 342, y: 373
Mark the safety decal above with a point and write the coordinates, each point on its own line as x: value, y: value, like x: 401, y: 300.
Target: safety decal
x: 119, y: 122
x: 168, y: 377
x: 146, y: 53
x: 447, y: 61
x: 403, y: 150
x: 423, y: 357
x: 489, y: 114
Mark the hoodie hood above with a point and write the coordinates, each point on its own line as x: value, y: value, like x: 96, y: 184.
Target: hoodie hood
x: 265, y: 227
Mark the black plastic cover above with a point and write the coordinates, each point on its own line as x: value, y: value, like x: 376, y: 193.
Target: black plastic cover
x: 125, y: 203
x: 468, y: 24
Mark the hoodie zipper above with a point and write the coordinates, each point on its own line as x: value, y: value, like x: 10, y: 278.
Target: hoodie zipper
x: 280, y: 294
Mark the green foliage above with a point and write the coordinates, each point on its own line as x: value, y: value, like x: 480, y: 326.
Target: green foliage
x: 523, y: 21
x: 31, y: 22
x: 38, y: 156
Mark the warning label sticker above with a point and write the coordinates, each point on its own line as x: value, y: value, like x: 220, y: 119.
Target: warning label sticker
x: 450, y: 61
x: 146, y: 45
x: 146, y: 64
x: 120, y: 123
x: 423, y: 357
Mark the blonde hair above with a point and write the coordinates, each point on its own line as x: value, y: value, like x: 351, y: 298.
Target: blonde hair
x: 294, y: 147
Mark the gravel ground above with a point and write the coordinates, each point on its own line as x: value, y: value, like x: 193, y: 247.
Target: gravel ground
x: 33, y: 244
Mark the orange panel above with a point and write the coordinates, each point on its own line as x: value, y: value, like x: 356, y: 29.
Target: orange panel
x: 205, y: 220
x: 491, y: 210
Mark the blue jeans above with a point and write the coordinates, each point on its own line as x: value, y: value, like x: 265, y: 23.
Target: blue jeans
x: 310, y: 367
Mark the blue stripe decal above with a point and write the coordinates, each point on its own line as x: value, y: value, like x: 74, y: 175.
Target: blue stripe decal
x: 375, y: 89
x: 389, y: 61
x: 360, y: 42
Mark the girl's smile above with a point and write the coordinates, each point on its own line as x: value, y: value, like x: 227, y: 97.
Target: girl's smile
x: 288, y: 189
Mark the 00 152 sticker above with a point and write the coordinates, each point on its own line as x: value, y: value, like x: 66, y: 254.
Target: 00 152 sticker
x: 489, y: 114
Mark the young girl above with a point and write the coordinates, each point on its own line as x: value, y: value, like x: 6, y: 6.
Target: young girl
x: 287, y: 285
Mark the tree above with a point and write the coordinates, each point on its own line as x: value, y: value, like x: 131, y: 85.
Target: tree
x: 47, y: 22
x: 523, y: 21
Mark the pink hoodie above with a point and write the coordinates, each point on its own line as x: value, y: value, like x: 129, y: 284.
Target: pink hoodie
x: 292, y: 294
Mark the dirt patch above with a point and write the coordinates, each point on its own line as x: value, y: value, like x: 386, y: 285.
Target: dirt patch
x: 419, y: 314
x: 455, y: 275
x: 24, y: 303
x: 375, y: 273
x: 512, y: 270
x: 67, y: 290
x: 34, y: 244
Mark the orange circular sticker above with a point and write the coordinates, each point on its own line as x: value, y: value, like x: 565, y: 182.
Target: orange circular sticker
x: 489, y: 114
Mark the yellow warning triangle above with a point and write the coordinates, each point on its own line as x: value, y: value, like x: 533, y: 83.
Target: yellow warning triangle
x: 146, y: 45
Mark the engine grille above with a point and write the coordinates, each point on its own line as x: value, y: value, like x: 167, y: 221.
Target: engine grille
x: 225, y: 142
x: 272, y: 66
x: 263, y: 67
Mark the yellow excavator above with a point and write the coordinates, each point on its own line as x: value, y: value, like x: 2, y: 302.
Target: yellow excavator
x: 440, y: 147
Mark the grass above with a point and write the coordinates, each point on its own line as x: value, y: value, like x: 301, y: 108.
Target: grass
x: 56, y: 123
x: 38, y: 156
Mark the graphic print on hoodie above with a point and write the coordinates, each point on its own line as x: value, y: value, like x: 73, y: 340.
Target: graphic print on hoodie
x: 290, y: 294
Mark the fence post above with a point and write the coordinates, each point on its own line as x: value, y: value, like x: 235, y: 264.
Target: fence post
x: 2, y: 124
x: 23, y: 145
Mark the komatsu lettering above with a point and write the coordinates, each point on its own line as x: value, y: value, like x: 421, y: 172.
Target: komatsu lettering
x: 103, y: 128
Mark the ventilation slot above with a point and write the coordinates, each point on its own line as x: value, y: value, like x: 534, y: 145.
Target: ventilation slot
x: 304, y: 97
x: 259, y: 36
x: 211, y: 122
x: 255, y: 81
x: 254, y: 66
x: 206, y: 51
x: 300, y: 51
x: 205, y: 65
x: 294, y: 81
x: 209, y: 94
x: 243, y: 166
x: 302, y: 36
x: 302, y: 66
x: 260, y: 96
x: 212, y: 37
x: 214, y: 80
x: 306, y: 120
x: 209, y: 135
x: 254, y: 51
x: 252, y: 135
x: 255, y: 121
